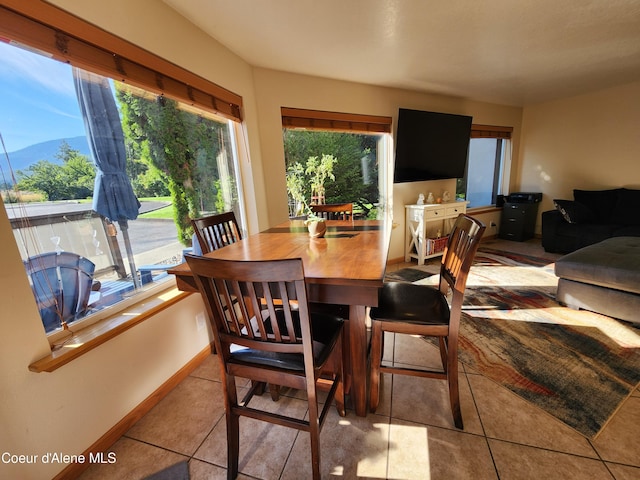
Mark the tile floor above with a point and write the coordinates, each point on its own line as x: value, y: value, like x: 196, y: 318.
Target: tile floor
x: 411, y: 436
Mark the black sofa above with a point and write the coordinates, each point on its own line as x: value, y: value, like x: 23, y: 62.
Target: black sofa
x: 592, y: 216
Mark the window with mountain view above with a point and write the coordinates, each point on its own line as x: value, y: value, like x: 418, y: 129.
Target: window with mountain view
x: 177, y: 160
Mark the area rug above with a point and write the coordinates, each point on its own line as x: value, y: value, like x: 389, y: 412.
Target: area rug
x: 578, y: 366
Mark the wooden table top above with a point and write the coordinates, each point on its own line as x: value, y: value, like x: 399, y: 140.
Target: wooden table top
x: 351, y: 253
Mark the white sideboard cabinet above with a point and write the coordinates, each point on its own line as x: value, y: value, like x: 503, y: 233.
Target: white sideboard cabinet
x: 427, y: 227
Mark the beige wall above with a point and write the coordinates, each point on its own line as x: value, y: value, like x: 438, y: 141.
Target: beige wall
x: 276, y: 89
x: 586, y: 142
x: 69, y: 409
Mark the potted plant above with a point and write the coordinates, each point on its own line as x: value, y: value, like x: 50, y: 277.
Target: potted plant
x: 319, y: 171
x: 316, y: 225
x: 296, y: 188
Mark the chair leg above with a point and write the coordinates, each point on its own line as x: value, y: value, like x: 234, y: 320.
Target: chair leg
x: 442, y: 342
x: 314, y: 433
x: 233, y: 445
x: 233, y: 429
x: 339, y: 370
x: 274, y: 390
x: 260, y: 386
x: 376, y: 358
x: 454, y: 391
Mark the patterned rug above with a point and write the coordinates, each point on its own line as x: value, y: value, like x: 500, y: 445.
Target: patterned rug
x: 578, y: 366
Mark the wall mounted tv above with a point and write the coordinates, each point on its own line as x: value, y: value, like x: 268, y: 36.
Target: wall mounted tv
x: 430, y: 145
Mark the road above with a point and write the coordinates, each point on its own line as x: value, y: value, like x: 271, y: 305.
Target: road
x: 146, y: 234
x: 38, y: 209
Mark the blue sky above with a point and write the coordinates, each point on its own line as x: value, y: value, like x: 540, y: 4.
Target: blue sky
x: 38, y: 100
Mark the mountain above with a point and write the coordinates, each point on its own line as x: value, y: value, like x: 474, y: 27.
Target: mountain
x: 21, y: 159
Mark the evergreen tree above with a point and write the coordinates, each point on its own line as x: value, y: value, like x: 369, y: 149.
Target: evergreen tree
x: 72, y: 180
x: 179, y: 148
x: 351, y: 151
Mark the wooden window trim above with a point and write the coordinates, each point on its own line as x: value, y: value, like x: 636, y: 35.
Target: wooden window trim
x: 344, y: 122
x: 72, y: 40
x: 83, y: 341
x: 490, y: 131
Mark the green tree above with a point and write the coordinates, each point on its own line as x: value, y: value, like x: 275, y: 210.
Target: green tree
x: 78, y: 172
x: 297, y: 188
x: 72, y: 180
x: 181, y: 150
x: 352, y: 151
x: 319, y: 170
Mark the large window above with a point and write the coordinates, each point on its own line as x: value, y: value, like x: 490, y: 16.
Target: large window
x: 336, y: 158
x: 88, y: 246
x: 487, y: 166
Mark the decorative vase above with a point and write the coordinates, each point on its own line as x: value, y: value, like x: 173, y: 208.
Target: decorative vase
x: 316, y: 229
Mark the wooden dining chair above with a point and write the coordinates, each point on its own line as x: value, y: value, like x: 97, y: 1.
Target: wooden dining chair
x: 334, y: 211
x: 270, y: 338
x: 405, y: 308
x: 216, y: 231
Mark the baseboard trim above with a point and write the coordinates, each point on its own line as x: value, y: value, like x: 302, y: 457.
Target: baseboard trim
x: 74, y: 470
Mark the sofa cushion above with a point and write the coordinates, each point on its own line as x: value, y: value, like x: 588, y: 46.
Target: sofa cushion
x: 573, y: 212
x: 627, y: 209
x: 601, y: 202
x: 612, y: 263
x: 586, y: 233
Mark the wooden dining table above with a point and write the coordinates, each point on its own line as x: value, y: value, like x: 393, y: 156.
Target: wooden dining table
x: 346, y: 267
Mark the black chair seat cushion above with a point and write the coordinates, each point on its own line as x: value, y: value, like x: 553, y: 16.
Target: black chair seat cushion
x: 325, y: 330
x: 409, y: 303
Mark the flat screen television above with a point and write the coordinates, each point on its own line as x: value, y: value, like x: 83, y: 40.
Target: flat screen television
x: 431, y: 145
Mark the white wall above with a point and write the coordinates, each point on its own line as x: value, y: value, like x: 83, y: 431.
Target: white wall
x: 586, y: 142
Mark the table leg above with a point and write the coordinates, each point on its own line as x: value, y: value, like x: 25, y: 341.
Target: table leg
x: 358, y: 354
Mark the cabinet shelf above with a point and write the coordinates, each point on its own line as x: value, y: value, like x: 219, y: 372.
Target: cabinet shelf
x: 427, y: 229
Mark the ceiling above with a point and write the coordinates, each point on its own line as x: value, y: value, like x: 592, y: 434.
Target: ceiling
x: 511, y: 52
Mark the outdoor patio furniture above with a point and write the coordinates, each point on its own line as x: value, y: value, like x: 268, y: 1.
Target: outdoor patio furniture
x: 62, y: 283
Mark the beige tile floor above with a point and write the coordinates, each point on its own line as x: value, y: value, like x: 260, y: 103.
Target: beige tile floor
x: 411, y: 436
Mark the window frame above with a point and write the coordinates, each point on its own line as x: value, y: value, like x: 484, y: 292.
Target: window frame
x: 72, y: 40
x: 502, y: 161
x: 320, y: 120
x: 49, y: 30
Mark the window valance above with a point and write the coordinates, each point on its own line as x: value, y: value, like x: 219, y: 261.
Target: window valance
x: 41, y: 27
x: 346, y: 122
x: 490, y: 131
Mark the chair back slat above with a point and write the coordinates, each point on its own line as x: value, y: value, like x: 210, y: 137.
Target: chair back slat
x: 459, y: 253
x: 334, y: 211
x: 216, y: 231
x: 271, y: 297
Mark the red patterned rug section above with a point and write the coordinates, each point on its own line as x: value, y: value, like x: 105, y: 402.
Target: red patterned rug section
x: 578, y: 366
